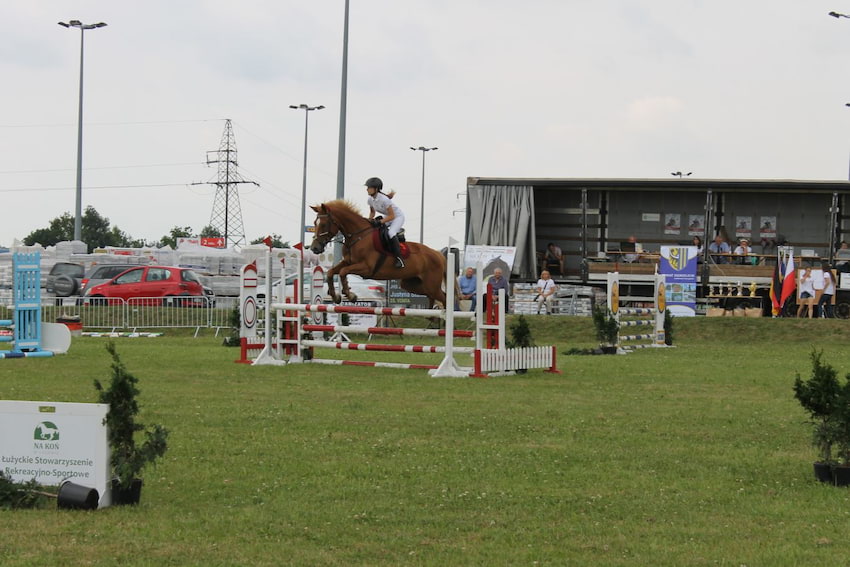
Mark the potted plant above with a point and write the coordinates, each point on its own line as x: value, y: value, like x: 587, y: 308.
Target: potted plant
x: 825, y: 399
x: 607, y: 329
x: 128, y: 457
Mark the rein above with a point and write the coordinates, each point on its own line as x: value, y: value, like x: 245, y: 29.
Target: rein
x: 347, y: 236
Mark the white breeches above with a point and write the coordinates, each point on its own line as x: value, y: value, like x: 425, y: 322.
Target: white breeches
x: 395, y: 225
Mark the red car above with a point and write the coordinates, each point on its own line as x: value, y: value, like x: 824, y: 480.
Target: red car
x: 149, y: 281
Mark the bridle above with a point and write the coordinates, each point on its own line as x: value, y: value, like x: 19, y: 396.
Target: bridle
x: 333, y: 228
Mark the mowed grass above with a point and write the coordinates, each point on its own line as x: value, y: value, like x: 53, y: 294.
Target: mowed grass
x: 695, y: 455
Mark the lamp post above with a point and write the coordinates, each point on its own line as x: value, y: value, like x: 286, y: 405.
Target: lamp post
x: 78, y: 210
x: 307, y: 109
x: 422, y: 149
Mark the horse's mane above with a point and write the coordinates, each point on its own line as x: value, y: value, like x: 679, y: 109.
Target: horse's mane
x: 344, y: 204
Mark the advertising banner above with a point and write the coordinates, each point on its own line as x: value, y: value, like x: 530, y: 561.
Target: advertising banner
x: 679, y: 266
x: 55, y: 441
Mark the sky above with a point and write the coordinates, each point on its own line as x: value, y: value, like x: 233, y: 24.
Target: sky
x: 544, y: 88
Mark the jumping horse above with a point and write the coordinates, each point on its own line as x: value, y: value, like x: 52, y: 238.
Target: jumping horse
x: 424, y: 271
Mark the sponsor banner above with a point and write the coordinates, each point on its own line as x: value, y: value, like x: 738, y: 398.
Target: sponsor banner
x: 679, y: 267
x: 55, y: 441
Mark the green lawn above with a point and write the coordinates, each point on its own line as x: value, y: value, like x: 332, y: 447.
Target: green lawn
x: 694, y: 455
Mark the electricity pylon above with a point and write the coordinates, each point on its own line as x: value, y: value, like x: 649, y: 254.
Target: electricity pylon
x: 226, y: 214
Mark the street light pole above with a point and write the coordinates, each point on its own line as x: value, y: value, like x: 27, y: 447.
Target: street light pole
x: 422, y: 149
x: 307, y: 109
x: 78, y: 210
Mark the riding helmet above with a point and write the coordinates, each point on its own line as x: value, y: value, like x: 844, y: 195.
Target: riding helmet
x: 375, y: 182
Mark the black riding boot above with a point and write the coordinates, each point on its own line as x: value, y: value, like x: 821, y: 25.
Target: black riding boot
x: 396, y: 249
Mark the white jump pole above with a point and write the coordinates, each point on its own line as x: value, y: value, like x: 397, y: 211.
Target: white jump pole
x: 269, y: 354
x: 449, y: 368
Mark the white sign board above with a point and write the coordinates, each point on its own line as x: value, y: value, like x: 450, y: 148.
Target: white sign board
x: 55, y: 441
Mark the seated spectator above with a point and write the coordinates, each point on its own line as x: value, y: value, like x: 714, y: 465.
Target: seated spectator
x: 745, y: 251
x: 553, y: 259
x: 545, y: 290
x: 697, y: 241
x: 842, y: 258
x: 719, y: 246
x: 467, y: 283
x: 498, y: 282
x: 631, y: 248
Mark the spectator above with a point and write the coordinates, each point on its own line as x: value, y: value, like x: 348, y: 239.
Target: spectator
x: 817, y: 283
x: 825, y: 300
x: 467, y: 283
x: 719, y: 246
x: 743, y: 249
x: 807, y: 293
x: 842, y: 258
x: 498, y: 282
x: 632, y: 247
x: 553, y: 259
x: 545, y: 290
x: 697, y: 241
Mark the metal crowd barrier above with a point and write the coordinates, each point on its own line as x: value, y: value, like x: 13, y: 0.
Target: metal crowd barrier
x: 137, y: 313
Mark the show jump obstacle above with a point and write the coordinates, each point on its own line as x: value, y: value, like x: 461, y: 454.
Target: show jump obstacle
x: 24, y: 331
x: 287, y: 336
x: 638, y: 316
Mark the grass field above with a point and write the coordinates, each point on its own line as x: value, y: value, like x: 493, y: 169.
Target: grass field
x: 695, y: 455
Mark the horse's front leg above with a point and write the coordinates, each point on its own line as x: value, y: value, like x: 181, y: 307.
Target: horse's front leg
x: 335, y: 297
x: 357, y: 269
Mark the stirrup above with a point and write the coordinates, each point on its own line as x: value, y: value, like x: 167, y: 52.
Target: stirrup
x: 399, y: 263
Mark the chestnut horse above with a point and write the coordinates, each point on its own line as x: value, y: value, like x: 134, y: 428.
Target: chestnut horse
x: 424, y: 271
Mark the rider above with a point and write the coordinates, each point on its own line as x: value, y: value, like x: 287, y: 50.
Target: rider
x: 393, y: 216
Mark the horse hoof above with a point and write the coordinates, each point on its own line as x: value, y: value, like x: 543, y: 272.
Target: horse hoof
x: 352, y: 297
x: 336, y: 298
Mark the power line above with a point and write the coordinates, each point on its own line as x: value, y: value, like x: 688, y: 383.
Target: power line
x: 44, y: 189
x: 101, y: 168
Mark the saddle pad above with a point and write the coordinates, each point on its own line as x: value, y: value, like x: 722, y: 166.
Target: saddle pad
x: 378, y: 243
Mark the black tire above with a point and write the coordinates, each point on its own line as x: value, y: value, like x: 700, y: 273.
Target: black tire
x: 64, y: 285
x: 842, y: 310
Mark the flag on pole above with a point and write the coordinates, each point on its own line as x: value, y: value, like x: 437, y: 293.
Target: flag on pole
x: 789, y: 280
x: 268, y: 241
x: 776, y: 288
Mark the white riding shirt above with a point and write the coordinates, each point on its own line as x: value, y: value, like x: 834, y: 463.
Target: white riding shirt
x: 382, y: 204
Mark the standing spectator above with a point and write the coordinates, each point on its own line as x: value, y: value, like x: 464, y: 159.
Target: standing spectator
x: 467, y: 283
x: 719, y: 246
x: 825, y: 301
x: 498, y: 282
x: 807, y: 293
x: 545, y: 290
x: 818, y: 285
x: 553, y: 259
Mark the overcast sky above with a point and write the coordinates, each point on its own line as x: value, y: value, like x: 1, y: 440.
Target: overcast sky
x: 542, y: 88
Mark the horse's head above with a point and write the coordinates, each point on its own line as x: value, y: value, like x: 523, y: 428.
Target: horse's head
x: 326, y: 228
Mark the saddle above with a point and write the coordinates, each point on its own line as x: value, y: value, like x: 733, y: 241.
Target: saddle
x: 380, y: 241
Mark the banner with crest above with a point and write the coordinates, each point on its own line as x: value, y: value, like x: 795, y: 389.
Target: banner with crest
x: 679, y: 266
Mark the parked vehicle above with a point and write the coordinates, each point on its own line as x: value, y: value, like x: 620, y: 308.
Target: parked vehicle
x: 65, y: 279
x: 150, y: 282
x: 101, y: 273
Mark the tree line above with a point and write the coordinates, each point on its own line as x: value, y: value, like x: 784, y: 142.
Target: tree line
x: 95, y: 230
